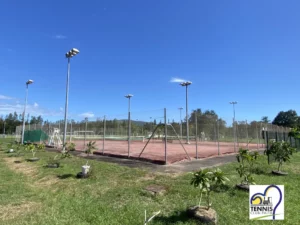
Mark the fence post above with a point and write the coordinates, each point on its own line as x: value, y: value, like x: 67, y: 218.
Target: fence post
x: 104, y: 125
x: 165, y: 118
x: 218, y: 136
x: 234, y: 133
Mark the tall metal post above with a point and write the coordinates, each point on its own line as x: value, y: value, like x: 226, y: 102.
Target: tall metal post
x: 165, y: 118
x: 23, y: 127
x: 196, y: 126
x: 187, y: 116
x: 186, y: 84
x: 69, y: 55
x: 129, y: 123
x: 66, y: 106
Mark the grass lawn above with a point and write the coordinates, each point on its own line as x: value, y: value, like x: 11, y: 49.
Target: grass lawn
x: 32, y: 194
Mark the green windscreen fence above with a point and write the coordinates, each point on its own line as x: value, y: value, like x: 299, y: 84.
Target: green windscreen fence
x: 35, y: 136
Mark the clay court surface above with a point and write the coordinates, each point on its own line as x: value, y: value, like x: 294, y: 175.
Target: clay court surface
x: 155, y: 150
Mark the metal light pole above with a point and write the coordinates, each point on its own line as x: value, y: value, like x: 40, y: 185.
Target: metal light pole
x: 234, y: 125
x: 129, y: 122
x: 69, y: 55
x: 186, y: 84
x: 23, y: 127
x: 180, y: 122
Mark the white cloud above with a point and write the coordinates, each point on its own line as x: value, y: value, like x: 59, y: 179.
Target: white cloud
x: 34, y: 110
x: 61, y: 109
x: 87, y: 114
x: 177, y: 80
x: 59, y: 36
x: 3, y: 97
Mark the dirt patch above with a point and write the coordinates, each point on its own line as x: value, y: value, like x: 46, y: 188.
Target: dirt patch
x: 21, y: 167
x: 148, y: 176
x: 12, y: 211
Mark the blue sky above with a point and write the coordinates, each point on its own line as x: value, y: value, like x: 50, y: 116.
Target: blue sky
x: 244, y: 51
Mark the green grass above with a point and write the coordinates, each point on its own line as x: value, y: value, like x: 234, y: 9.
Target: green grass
x: 32, y: 194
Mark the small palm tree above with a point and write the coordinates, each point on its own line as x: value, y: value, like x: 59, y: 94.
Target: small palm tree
x: 246, y: 162
x: 204, y: 178
x: 201, y: 179
x: 71, y: 146
x: 90, y: 147
x: 218, y: 176
x: 31, y: 148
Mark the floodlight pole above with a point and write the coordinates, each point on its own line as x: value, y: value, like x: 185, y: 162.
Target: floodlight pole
x: 186, y: 84
x: 129, y: 123
x: 234, y: 125
x: 69, y: 55
x: 180, y: 123
x: 23, y: 127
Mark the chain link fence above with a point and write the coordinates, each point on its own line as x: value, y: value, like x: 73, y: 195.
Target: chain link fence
x: 155, y: 136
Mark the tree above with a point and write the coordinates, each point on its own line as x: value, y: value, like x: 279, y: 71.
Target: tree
x: 265, y: 119
x: 286, y: 119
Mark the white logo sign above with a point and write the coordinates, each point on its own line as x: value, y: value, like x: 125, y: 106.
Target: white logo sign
x: 266, y: 202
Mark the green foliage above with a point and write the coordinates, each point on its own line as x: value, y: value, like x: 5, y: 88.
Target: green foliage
x: 31, y: 148
x: 246, y: 160
x: 281, y: 152
x: 295, y: 133
x: 41, y: 147
x: 90, y: 147
x: 71, y: 146
x: 286, y: 119
x: 204, y: 180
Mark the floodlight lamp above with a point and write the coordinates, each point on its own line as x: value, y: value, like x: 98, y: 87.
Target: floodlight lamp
x: 128, y: 96
x: 75, y: 51
x: 29, y: 82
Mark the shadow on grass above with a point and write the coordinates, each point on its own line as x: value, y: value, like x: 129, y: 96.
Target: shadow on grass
x: 219, y: 189
x: 180, y: 216
x: 66, y: 176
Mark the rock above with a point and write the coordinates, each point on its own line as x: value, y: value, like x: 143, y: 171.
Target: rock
x: 33, y: 159
x: 280, y: 173
x: 156, y: 189
x: 203, y: 214
x: 54, y: 165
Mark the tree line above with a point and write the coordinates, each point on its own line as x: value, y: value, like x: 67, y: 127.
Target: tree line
x: 208, y: 122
